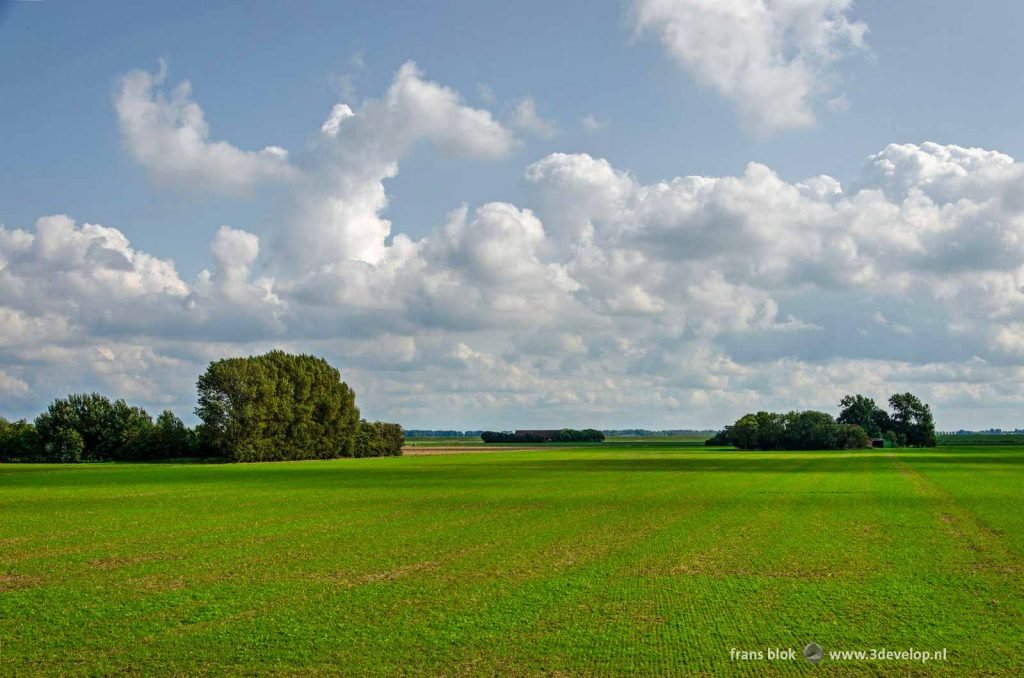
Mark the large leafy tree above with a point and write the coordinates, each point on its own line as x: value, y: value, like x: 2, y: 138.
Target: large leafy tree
x: 277, y: 406
x: 88, y: 426
x: 771, y: 429
x: 912, y: 419
x: 169, y: 438
x: 19, y: 442
x: 851, y: 437
x: 811, y: 430
x: 379, y: 439
x: 862, y: 411
x: 746, y: 433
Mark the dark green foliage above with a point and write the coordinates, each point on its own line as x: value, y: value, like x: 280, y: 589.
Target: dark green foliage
x: 393, y: 436
x: 19, y: 441
x: 130, y: 429
x: 807, y: 430
x: 565, y: 435
x: 571, y: 435
x: 771, y: 430
x: 170, y: 438
x: 911, y: 422
x: 851, y: 437
x: 898, y: 438
x: 859, y: 421
x: 568, y: 435
x: 720, y: 439
x: 745, y: 434
x: 912, y: 419
x: 105, y: 430
x: 277, y: 406
x: 862, y: 411
x: 379, y: 439
x: 269, y: 407
x: 810, y: 430
x: 89, y: 427
x: 498, y: 437
x: 86, y: 414
x: 65, y: 445
x: 204, y: 443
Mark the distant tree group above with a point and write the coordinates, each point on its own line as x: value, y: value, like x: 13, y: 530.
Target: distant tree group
x: 91, y: 427
x: 275, y: 406
x: 378, y: 439
x: 506, y: 437
x: 808, y: 430
x: 441, y: 433
x: 565, y: 435
x: 19, y: 441
x: 587, y: 435
x: 910, y: 423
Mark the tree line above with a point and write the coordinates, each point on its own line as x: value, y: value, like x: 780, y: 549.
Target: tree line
x: 271, y: 407
x: 565, y: 435
x: 441, y: 433
x: 910, y: 423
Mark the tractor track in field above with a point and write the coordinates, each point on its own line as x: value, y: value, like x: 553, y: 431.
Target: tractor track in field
x: 967, y: 530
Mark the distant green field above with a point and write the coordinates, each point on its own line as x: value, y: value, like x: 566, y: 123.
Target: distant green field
x: 981, y: 439
x: 697, y: 438
x: 448, y: 441
x: 594, y: 561
x: 443, y: 441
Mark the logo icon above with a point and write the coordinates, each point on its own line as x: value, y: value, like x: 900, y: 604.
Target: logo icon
x: 813, y: 653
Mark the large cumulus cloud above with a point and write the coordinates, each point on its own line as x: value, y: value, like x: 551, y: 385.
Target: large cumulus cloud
x: 598, y: 301
x: 169, y: 136
x: 773, y: 58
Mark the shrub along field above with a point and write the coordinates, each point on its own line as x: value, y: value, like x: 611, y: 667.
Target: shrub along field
x: 610, y: 560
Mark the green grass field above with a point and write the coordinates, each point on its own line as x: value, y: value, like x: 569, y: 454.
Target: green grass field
x: 682, y: 440
x: 594, y: 561
x: 443, y: 441
x: 978, y: 439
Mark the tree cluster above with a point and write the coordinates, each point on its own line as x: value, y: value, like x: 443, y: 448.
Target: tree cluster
x: 909, y: 423
x: 808, y: 430
x: 646, y: 432
x: 379, y: 439
x: 91, y: 427
x: 565, y: 435
x: 275, y: 406
x: 440, y: 433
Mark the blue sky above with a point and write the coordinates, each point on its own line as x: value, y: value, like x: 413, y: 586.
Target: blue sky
x: 268, y: 74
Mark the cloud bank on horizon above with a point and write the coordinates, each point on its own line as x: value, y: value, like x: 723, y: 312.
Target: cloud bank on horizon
x: 600, y: 300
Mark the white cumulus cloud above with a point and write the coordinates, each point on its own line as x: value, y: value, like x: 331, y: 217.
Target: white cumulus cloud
x: 773, y: 58
x: 598, y: 300
x: 336, y: 213
x: 526, y: 118
x: 169, y: 136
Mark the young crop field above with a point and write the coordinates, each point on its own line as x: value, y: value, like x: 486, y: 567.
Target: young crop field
x: 443, y: 441
x: 606, y: 560
x: 978, y: 439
